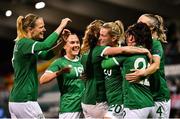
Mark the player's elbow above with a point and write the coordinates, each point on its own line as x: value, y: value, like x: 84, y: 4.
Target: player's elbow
x: 41, y: 81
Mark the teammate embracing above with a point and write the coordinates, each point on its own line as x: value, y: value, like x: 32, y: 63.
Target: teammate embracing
x: 159, y: 88
x: 137, y: 97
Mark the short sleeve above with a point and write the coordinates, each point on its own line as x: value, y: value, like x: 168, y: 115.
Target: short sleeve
x: 157, y: 49
x: 55, y: 66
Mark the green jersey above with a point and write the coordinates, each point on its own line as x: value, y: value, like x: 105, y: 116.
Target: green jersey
x: 95, y: 87
x: 24, y: 61
x: 135, y: 95
x: 158, y: 83
x: 70, y: 85
x: 113, y: 85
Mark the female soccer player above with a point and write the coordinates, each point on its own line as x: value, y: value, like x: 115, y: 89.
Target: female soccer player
x: 159, y: 88
x: 137, y: 97
x: 68, y: 70
x: 94, y: 101
x: 113, y: 77
x: 23, y: 97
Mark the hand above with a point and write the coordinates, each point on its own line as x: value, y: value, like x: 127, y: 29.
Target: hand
x: 65, y: 34
x: 66, y: 70
x: 64, y: 22
x: 62, y: 25
x: 63, y: 70
x: 148, y: 54
x: 83, y: 76
x: 136, y: 75
x: 66, y: 31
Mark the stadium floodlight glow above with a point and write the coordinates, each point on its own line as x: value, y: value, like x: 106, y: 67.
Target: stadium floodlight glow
x: 8, y: 13
x: 39, y: 5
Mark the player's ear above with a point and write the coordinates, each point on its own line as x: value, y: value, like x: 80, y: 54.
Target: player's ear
x: 29, y: 29
x: 114, y: 38
x: 65, y: 46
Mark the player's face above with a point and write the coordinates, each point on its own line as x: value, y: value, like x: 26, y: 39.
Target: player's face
x: 72, y: 46
x: 105, y: 38
x: 38, y: 31
x: 130, y: 40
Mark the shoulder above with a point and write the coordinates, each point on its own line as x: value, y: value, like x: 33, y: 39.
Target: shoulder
x: 101, y: 47
x: 156, y: 42
x: 25, y: 41
x: 58, y: 60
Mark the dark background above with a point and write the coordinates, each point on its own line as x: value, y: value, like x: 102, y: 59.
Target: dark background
x: 82, y: 12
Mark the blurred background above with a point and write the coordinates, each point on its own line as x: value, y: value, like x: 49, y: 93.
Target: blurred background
x: 82, y: 12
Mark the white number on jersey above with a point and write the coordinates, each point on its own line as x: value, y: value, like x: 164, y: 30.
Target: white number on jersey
x: 136, y: 65
x: 79, y: 71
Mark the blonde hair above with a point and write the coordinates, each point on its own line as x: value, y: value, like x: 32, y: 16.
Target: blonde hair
x: 115, y: 29
x: 91, y: 33
x: 23, y: 23
x: 156, y: 24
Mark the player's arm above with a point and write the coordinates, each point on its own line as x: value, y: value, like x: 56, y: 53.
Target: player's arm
x: 126, y: 50
x: 157, y: 54
x: 137, y: 74
x: 48, y: 54
x: 153, y: 67
x: 49, y: 76
x: 51, y: 40
x: 108, y: 63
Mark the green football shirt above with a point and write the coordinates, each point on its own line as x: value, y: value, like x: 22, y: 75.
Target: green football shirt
x: 95, y: 87
x: 135, y: 95
x: 70, y: 85
x: 113, y: 85
x: 24, y: 61
x: 158, y: 82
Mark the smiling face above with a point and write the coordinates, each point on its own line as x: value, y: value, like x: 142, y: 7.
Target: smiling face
x: 105, y: 38
x: 38, y: 31
x: 72, y: 46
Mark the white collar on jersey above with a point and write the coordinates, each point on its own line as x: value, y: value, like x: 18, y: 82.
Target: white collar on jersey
x: 73, y: 60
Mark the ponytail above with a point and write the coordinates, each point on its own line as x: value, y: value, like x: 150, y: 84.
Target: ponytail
x: 20, y: 31
x: 91, y: 35
x: 161, y: 31
x: 90, y: 40
x: 115, y: 29
x: 121, y: 31
x: 23, y: 23
x: 156, y: 25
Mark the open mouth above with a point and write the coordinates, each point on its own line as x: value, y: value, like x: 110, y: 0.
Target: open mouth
x: 76, y: 49
x: 42, y: 33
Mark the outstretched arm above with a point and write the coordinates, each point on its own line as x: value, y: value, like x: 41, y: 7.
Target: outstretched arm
x: 61, y: 42
x: 51, y: 40
x: 127, y: 50
x: 54, y: 51
x: 49, y: 76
